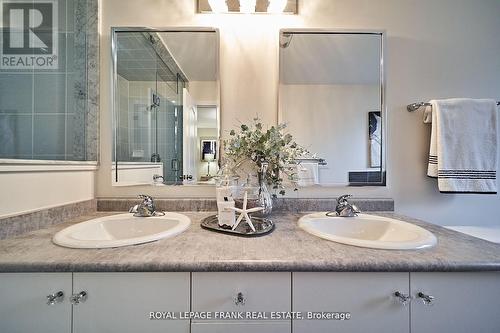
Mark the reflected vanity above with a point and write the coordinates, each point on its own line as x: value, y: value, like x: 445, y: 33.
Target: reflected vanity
x: 166, y: 104
x: 331, y: 96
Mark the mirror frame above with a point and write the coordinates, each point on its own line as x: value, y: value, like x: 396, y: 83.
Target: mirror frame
x: 383, y: 106
x: 114, y: 80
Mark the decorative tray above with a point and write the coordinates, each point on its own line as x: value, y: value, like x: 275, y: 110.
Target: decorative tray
x: 262, y: 226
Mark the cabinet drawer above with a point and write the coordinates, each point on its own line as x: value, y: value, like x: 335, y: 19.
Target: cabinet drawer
x: 275, y: 327
x: 262, y: 292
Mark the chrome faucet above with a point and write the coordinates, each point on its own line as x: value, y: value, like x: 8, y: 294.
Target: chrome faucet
x: 146, y: 208
x: 344, y: 208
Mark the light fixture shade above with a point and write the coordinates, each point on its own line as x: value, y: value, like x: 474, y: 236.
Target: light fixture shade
x: 209, y: 157
x: 277, y: 6
x: 248, y: 6
x: 208, y: 147
x: 218, y: 6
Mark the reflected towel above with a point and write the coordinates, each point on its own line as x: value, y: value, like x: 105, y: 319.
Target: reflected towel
x: 307, y: 174
x: 463, y: 149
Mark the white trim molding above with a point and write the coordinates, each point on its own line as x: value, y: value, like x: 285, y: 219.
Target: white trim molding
x: 13, y: 165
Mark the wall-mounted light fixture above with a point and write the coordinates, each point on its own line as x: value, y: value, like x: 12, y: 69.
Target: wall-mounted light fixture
x: 248, y: 6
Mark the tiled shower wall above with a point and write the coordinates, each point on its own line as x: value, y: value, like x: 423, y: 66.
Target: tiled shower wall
x: 52, y: 114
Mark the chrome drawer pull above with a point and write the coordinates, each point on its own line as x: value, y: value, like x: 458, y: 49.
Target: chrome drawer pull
x: 239, y: 300
x: 403, y: 298
x: 79, y: 298
x: 426, y: 299
x: 55, y: 298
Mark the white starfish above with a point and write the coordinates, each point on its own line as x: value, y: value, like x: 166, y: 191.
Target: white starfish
x: 244, y: 213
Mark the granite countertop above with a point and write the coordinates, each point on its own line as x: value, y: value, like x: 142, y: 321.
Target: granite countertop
x: 287, y: 248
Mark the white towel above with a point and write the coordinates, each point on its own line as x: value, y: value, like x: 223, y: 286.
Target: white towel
x: 307, y: 174
x: 463, y: 149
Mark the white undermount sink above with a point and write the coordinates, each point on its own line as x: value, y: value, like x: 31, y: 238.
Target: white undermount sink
x: 368, y: 231
x: 121, y: 230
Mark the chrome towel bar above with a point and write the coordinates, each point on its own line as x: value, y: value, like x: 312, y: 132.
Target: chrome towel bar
x: 320, y: 161
x: 415, y: 106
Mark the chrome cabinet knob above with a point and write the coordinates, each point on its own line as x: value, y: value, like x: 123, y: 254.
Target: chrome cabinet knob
x: 240, y: 299
x: 79, y: 298
x: 426, y: 299
x: 55, y: 298
x: 402, y: 298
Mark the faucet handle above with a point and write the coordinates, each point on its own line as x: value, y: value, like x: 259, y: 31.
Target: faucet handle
x: 147, y: 200
x: 342, y: 200
x: 145, y: 197
x: 146, y: 208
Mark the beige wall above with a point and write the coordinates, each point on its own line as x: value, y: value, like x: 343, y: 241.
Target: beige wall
x: 332, y: 122
x: 204, y: 92
x: 435, y: 49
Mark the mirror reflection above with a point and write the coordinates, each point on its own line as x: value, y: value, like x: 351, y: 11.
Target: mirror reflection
x: 331, y: 99
x: 166, y: 107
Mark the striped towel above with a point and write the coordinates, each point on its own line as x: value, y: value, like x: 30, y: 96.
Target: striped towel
x: 463, y: 149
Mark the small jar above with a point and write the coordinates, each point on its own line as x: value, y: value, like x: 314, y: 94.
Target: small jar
x: 227, y: 179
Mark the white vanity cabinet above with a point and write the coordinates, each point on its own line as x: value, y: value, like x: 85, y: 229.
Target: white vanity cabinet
x: 367, y: 297
x: 29, y: 302
x: 459, y: 303
x: 121, y: 302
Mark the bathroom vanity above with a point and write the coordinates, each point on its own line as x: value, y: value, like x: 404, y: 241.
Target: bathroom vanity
x: 454, y: 286
x: 132, y: 103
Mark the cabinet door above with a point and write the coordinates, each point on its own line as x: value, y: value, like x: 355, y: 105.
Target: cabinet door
x: 23, y: 302
x: 463, y: 302
x: 122, y: 302
x: 249, y: 327
x: 367, y: 297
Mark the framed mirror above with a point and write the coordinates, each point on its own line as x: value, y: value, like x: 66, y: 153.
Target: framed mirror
x: 166, y: 99
x: 331, y: 96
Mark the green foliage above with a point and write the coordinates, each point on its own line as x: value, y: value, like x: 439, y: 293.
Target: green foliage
x: 272, y: 147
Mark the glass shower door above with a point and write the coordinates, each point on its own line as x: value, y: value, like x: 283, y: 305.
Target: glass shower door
x: 169, y: 124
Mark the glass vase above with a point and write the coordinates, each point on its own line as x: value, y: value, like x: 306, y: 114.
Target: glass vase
x: 258, y: 194
x: 265, y: 198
